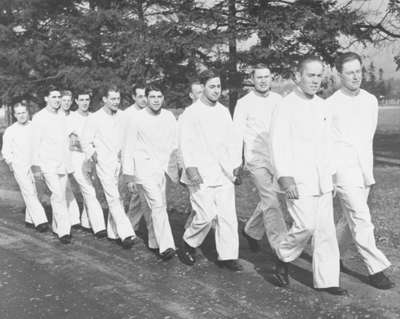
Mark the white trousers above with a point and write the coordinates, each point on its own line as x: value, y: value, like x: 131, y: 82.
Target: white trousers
x: 57, y: 185
x: 355, y: 224
x: 118, y: 224
x: 267, y: 217
x: 34, y: 213
x: 313, y: 217
x: 92, y: 214
x: 214, y: 204
x: 159, y: 228
x: 134, y: 209
x: 72, y: 205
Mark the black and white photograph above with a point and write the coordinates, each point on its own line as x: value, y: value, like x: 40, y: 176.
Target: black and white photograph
x: 199, y: 159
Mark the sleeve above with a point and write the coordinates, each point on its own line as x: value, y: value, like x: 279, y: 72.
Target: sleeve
x: 235, y: 140
x: 174, y: 159
x: 36, y: 140
x: 128, y: 148
x: 88, y: 136
x: 6, y: 150
x: 281, y: 142
x: 374, y: 119
x: 239, y: 123
x: 188, y: 139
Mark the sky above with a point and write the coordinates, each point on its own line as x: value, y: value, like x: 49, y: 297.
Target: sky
x: 382, y: 54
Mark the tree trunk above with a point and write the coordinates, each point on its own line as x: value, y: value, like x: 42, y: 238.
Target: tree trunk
x: 232, y: 63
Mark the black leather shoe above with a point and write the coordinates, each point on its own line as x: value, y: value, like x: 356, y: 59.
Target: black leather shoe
x: 167, y: 254
x: 128, y: 242
x: 281, y: 273
x: 76, y: 227
x: 43, y: 227
x: 337, y: 291
x: 29, y: 225
x: 380, y: 281
x: 66, y: 239
x: 187, y: 255
x: 253, y: 243
x: 101, y: 234
x: 232, y: 264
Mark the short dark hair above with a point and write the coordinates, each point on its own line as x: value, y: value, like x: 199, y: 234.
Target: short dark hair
x: 153, y: 87
x: 49, y: 89
x: 83, y: 92
x: 307, y: 59
x: 109, y: 88
x: 138, y: 85
x: 66, y: 93
x: 342, y: 58
x: 22, y: 103
x: 206, y: 75
x: 258, y: 66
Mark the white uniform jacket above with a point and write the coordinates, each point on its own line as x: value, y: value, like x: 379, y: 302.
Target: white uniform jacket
x: 103, y: 134
x: 302, y: 143
x: 17, y: 146
x: 208, y: 141
x: 50, y: 142
x: 354, y: 120
x: 151, y: 145
x: 253, y: 118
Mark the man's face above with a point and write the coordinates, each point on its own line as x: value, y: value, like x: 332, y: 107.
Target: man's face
x: 196, y: 91
x: 310, y: 78
x: 21, y: 114
x: 155, y: 100
x: 140, y: 98
x: 212, y: 89
x: 66, y: 102
x: 53, y: 100
x: 83, y: 102
x: 261, y: 79
x: 351, y: 75
x: 112, y: 100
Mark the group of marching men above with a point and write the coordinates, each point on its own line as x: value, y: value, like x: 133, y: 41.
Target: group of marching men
x: 302, y: 147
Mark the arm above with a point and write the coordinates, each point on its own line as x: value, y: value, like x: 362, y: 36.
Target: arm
x: 281, y: 149
x: 6, y: 150
x: 239, y: 123
x: 87, y: 139
x: 128, y: 149
x: 36, y: 144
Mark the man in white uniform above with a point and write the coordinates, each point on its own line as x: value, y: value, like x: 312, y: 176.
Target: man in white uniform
x: 92, y: 215
x: 101, y: 141
x: 135, y: 210
x: 355, y: 115
x: 211, y: 156
x: 17, y: 152
x: 196, y: 89
x: 73, y: 208
x: 252, y: 118
x: 51, y: 159
x: 149, y: 155
x: 302, y: 157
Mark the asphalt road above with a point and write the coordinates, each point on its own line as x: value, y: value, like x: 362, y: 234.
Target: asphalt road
x: 40, y: 278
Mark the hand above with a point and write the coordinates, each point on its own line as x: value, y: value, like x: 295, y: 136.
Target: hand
x: 10, y: 167
x: 88, y: 167
x: 334, y: 191
x: 74, y: 143
x: 238, y: 171
x: 288, y: 185
x: 131, y: 187
x: 37, y: 172
x: 194, y: 175
x: 237, y: 180
x: 94, y: 157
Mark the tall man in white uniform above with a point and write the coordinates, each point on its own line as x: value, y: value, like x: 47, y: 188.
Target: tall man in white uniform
x: 149, y: 155
x: 92, y: 215
x: 253, y: 118
x: 102, y: 140
x: 73, y: 208
x: 355, y: 115
x: 51, y: 159
x: 211, y: 156
x: 135, y: 210
x: 17, y: 152
x: 302, y: 156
